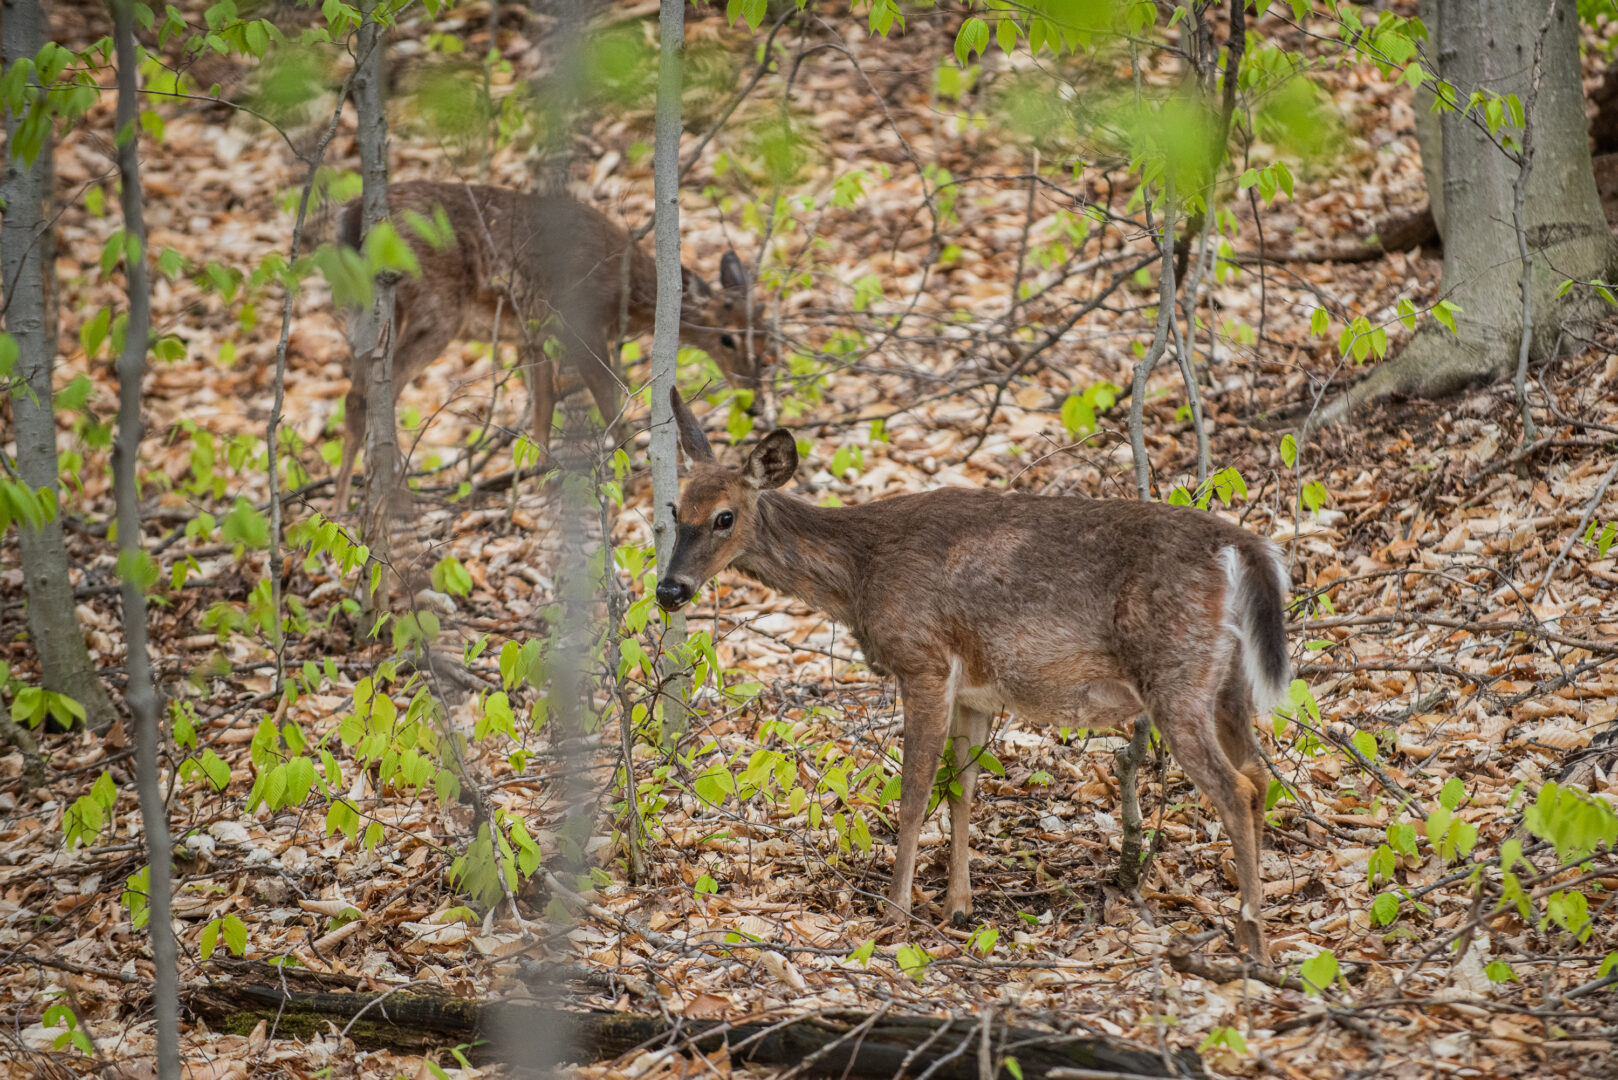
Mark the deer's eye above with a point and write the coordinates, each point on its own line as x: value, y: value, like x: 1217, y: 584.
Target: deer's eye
x: 723, y: 521
x: 727, y: 341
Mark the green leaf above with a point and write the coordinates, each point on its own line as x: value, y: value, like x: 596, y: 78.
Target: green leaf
x: 1319, y: 971
x: 1289, y: 451
x: 210, y: 938
x: 235, y: 934
x: 246, y: 526
x: 1499, y: 971
x: 139, y: 568
x: 215, y: 769
x: 94, y: 332
x: 385, y: 249
x: 1384, y: 909
x: 913, y: 961
x: 862, y: 955
x: 451, y: 576
x: 1452, y: 794
x: 973, y: 36
x: 1444, y: 311
x: 1005, y: 32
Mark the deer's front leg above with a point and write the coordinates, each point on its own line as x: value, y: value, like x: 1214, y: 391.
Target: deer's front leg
x: 926, y: 726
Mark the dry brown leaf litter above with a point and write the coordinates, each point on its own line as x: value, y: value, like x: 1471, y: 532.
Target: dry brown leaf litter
x: 1426, y: 553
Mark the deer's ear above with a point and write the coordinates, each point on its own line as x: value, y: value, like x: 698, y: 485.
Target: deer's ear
x: 732, y: 274
x: 691, y: 436
x: 772, y: 461
x: 695, y: 287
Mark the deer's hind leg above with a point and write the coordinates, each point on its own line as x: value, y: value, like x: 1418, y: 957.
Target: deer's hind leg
x: 540, y: 371
x: 594, y: 361
x: 1234, y: 716
x: 354, y: 420
x: 969, y: 728
x: 420, y: 337
x: 1187, y: 718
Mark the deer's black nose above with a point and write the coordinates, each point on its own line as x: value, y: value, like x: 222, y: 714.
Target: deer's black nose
x: 671, y: 594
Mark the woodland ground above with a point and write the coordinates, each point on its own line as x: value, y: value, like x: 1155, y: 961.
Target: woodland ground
x: 1439, y: 638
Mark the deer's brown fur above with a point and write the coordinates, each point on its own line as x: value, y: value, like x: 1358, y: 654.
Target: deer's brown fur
x: 1068, y: 610
x: 543, y: 265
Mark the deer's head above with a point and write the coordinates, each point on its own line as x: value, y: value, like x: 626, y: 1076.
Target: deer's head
x: 715, y: 320
x: 718, y: 509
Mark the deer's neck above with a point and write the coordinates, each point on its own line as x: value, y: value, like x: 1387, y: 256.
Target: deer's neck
x: 810, y: 552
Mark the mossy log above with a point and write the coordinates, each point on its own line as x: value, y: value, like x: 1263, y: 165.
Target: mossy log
x: 532, y: 1032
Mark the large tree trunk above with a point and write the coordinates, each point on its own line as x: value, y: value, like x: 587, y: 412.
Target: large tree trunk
x: 53, y: 625
x: 1490, y: 45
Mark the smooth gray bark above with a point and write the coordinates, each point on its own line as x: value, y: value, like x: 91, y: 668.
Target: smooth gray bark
x: 53, y: 625
x: 666, y: 329
x: 141, y: 694
x: 1490, y: 44
x: 374, y: 334
x: 1430, y: 125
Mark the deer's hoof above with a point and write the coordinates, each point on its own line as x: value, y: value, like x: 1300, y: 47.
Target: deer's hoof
x: 1250, y: 940
x: 960, y: 917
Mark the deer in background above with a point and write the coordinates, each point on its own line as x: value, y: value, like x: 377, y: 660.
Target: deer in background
x: 1063, y: 609
x: 514, y: 261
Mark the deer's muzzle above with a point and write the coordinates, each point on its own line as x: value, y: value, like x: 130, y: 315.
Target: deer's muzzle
x: 672, y: 595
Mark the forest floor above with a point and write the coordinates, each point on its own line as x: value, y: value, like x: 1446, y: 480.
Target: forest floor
x: 1429, y: 619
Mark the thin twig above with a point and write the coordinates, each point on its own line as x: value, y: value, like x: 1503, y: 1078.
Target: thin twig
x: 1574, y: 536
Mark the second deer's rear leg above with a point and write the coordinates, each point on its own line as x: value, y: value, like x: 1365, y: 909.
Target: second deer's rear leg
x: 1187, y: 720
x: 540, y: 371
x: 354, y: 420
x: 594, y: 361
x: 421, y: 335
x: 969, y: 732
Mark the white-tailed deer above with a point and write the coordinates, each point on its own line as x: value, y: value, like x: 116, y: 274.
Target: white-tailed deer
x: 1066, y: 610
x: 524, y: 259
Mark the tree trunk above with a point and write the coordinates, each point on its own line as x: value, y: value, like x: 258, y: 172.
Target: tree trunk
x: 1429, y: 124
x: 141, y: 693
x: 373, y: 335
x: 53, y: 626
x: 1490, y: 44
x: 666, y: 330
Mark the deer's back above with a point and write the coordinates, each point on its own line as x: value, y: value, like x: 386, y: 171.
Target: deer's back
x: 1023, y: 594
x: 553, y: 250
x: 539, y: 251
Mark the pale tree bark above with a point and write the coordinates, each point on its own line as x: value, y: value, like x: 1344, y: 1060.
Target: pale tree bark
x: 666, y: 328
x: 141, y: 694
x: 53, y: 626
x: 1490, y: 44
x: 373, y: 335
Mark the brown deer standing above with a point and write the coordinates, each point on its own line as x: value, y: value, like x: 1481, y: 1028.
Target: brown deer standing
x: 541, y: 255
x: 1059, y: 609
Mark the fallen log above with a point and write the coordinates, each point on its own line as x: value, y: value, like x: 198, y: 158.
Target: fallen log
x: 531, y: 1032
